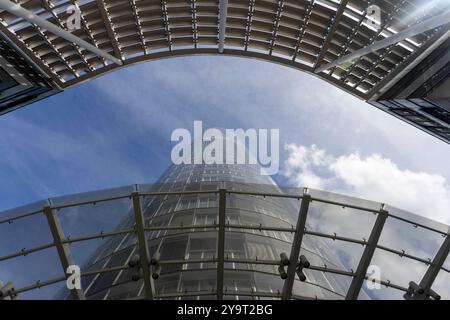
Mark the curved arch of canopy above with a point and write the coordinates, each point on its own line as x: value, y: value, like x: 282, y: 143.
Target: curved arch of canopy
x: 303, y: 34
x: 307, y: 35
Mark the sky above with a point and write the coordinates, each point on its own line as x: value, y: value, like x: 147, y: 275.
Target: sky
x: 116, y: 130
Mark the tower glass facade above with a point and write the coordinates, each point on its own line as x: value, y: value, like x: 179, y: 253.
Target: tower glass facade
x: 198, y: 280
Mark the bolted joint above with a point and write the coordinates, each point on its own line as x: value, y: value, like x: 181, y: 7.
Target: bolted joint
x: 300, y: 274
x: 137, y: 275
x: 8, y: 292
x: 156, y: 271
x: 416, y: 292
x: 282, y: 272
x: 284, y: 259
x: 304, y: 262
x: 134, y: 261
x: 155, y: 259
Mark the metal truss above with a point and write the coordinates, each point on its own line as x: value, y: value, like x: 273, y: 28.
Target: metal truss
x: 222, y: 227
x: 329, y: 39
x: 304, y: 34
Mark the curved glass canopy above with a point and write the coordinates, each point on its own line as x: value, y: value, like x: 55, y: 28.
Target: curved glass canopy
x: 227, y: 241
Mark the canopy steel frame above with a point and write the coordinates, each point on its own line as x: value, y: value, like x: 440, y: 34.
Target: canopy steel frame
x: 334, y: 25
x: 144, y: 258
x: 276, y: 25
x: 221, y: 243
x: 109, y: 29
x: 424, y: 26
x: 433, y: 270
x: 63, y: 249
x: 366, y: 258
x: 19, y: 11
x: 223, y: 13
x: 303, y: 34
x: 61, y: 243
x: 296, y: 245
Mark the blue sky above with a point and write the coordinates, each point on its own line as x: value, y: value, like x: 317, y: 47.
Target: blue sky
x: 115, y: 130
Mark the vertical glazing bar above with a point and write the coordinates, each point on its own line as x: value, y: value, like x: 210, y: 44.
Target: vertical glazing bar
x: 143, y: 246
x: 221, y: 243
x: 296, y: 245
x: 433, y: 270
x: 63, y: 249
x: 366, y: 258
x: 223, y: 8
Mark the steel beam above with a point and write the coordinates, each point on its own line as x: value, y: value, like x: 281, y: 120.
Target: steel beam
x: 144, y: 258
x: 276, y: 24
x: 223, y: 8
x: 409, y: 64
x: 334, y: 25
x: 194, y: 23
x: 221, y: 243
x: 296, y: 246
x: 137, y: 20
x: 302, y: 29
x: 366, y: 258
x: 165, y: 20
x: 30, y: 56
x: 400, y: 36
x: 47, y: 6
x: 64, y: 253
x: 433, y: 270
x: 248, y: 27
x: 19, y: 11
x: 109, y: 29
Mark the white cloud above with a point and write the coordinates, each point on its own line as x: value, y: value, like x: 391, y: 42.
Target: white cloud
x: 377, y: 178
x: 371, y: 177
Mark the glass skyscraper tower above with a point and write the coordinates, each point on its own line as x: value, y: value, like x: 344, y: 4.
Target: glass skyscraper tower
x: 176, y: 245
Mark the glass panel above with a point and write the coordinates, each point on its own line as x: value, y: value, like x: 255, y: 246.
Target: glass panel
x: 256, y: 246
x: 252, y: 218
x: 173, y: 248
x: 441, y: 285
x: 115, y: 243
x: 342, y: 221
x: 167, y: 284
x: 29, y: 232
x: 338, y: 255
x: 371, y: 205
x: 440, y: 227
x: 92, y: 196
x: 398, y: 270
x: 44, y: 293
x: 281, y: 209
x: 380, y: 292
x: 321, y: 285
x: 413, y: 240
x: 95, y: 218
x: 125, y: 290
x: 27, y: 270
x: 85, y: 252
x: 242, y: 284
x: 101, y: 283
x: 198, y: 281
x: 268, y: 283
x: 446, y: 263
x: 28, y: 208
